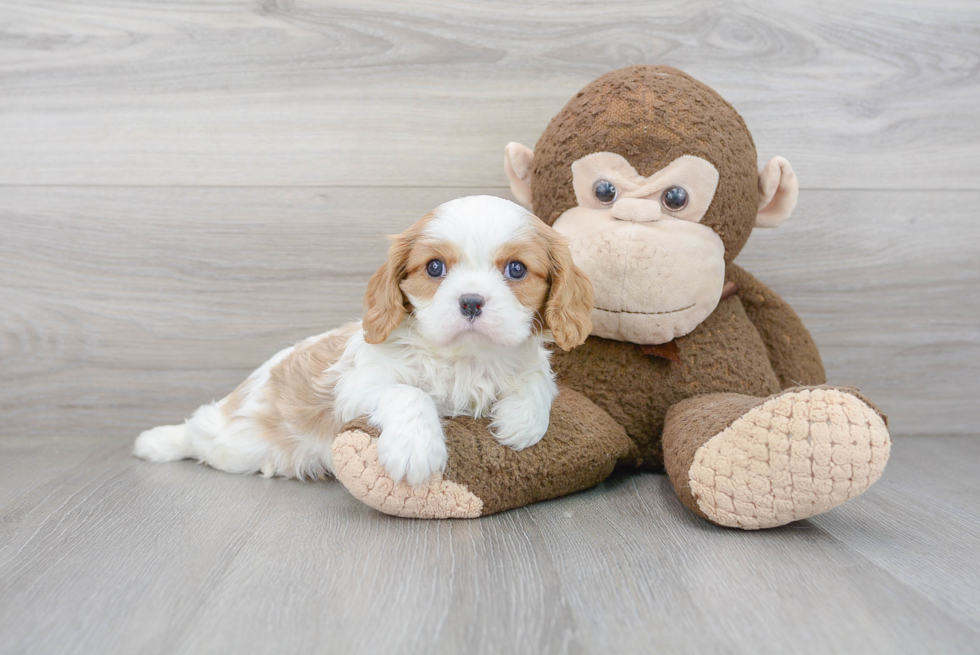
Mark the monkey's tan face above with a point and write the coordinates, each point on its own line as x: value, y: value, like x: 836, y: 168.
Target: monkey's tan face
x: 656, y: 270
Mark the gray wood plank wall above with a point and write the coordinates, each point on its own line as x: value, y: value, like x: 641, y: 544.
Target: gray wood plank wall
x: 187, y: 186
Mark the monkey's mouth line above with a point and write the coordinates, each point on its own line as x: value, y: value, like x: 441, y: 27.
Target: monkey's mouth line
x: 626, y: 311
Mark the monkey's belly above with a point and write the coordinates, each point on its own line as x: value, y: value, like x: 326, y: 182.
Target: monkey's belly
x: 723, y: 354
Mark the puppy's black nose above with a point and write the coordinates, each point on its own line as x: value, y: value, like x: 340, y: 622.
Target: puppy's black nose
x: 471, y: 305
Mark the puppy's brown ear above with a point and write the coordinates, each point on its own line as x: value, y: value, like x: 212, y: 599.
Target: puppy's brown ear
x: 384, y: 303
x: 568, y: 310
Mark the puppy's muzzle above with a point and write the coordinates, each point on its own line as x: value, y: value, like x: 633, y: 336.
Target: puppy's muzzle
x: 471, y: 305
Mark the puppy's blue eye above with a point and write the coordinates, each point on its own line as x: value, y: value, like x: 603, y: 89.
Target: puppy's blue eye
x: 516, y: 270
x: 605, y: 192
x: 435, y: 268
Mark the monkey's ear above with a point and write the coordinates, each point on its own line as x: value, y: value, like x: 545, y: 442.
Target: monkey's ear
x: 517, y: 165
x: 778, y: 190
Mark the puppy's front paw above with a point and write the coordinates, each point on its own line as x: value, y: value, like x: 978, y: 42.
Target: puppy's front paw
x: 519, y: 422
x: 413, y: 450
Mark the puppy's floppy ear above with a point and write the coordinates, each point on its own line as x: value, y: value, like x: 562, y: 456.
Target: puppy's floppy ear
x: 568, y: 310
x: 384, y: 303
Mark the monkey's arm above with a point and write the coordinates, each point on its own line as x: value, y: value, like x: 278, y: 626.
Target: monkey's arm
x: 792, y: 353
x: 582, y: 446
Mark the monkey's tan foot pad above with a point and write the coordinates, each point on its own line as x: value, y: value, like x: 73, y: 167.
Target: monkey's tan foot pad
x: 355, y: 458
x: 796, y: 455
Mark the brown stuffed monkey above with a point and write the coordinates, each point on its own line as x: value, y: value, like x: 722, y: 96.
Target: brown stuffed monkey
x: 693, y: 366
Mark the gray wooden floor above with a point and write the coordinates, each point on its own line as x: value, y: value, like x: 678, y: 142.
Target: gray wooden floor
x: 187, y: 186
x: 103, y: 553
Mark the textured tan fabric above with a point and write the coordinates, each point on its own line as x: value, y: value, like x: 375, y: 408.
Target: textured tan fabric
x: 689, y: 424
x: 654, y: 280
x: 794, y: 456
x: 355, y: 456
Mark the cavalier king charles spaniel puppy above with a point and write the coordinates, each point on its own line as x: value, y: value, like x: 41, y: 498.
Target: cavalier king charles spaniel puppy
x: 455, y: 324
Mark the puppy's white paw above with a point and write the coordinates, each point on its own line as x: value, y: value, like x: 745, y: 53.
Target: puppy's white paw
x: 519, y: 422
x: 413, y: 450
x: 165, y: 443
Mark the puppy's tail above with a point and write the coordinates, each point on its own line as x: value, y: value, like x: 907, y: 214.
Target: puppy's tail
x: 167, y: 443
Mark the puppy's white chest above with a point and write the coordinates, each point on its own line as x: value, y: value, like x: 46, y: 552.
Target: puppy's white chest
x: 462, y: 388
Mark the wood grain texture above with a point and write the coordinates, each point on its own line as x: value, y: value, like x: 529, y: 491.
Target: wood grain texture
x: 131, y: 303
x: 124, y: 308
x: 877, y: 94
x: 102, y: 553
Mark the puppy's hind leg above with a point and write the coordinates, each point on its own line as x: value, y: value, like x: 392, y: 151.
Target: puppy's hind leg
x: 233, y: 444
x: 192, y: 439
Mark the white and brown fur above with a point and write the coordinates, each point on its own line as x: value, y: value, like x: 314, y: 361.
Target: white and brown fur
x: 414, y: 359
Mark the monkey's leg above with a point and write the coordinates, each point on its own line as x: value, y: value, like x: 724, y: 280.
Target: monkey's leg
x: 753, y: 463
x: 580, y: 450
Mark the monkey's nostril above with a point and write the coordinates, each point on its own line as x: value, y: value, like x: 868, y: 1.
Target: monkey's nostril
x: 471, y: 305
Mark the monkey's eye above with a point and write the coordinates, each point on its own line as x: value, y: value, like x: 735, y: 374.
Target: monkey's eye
x: 516, y: 271
x: 674, y: 199
x: 605, y: 192
x: 435, y: 268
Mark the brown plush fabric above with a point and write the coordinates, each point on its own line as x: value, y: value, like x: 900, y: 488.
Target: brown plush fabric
x: 792, y: 353
x: 689, y: 424
x: 660, y: 408
x: 723, y: 354
x: 581, y: 449
x: 651, y: 115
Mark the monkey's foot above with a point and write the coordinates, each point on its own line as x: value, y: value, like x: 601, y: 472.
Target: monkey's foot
x: 355, y: 457
x: 795, y: 455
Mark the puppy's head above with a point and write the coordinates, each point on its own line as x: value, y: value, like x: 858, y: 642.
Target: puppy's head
x: 480, y: 269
